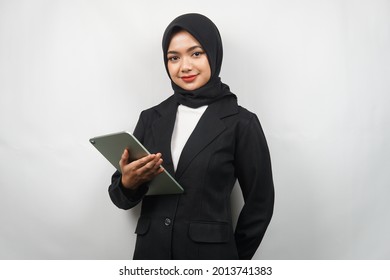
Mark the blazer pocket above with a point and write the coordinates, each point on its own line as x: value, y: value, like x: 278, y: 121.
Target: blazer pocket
x: 142, y: 226
x: 209, y: 232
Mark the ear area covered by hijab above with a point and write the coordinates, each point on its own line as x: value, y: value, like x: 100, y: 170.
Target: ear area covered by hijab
x: 207, y: 34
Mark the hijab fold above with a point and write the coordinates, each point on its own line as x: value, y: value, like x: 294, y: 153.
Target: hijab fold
x: 207, y: 34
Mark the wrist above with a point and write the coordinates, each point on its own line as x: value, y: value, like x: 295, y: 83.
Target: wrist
x: 128, y: 186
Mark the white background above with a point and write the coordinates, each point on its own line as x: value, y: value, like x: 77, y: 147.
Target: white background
x: 317, y: 73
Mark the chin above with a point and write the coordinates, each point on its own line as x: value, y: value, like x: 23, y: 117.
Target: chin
x: 189, y: 88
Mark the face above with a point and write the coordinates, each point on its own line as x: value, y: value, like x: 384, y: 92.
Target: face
x: 188, y: 65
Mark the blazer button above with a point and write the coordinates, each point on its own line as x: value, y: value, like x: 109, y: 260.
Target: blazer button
x: 167, y: 222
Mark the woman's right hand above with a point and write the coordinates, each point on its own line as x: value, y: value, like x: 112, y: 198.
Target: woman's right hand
x: 139, y: 171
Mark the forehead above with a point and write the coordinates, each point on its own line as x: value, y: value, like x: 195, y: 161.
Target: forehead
x: 181, y: 40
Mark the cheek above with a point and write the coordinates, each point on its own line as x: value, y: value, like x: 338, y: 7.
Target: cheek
x: 206, y: 68
x: 207, y: 72
x: 171, y: 70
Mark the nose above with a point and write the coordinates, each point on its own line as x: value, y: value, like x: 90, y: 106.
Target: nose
x: 186, y: 65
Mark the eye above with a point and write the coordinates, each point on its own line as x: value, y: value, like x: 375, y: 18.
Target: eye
x: 173, y: 58
x: 197, y: 54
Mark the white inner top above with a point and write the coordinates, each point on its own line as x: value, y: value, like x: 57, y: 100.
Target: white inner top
x: 186, y: 120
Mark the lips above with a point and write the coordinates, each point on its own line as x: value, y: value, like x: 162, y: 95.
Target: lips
x: 188, y: 79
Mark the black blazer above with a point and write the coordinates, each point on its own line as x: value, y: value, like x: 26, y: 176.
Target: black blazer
x: 227, y: 143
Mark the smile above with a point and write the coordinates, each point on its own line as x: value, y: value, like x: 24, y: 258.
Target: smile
x: 189, y: 79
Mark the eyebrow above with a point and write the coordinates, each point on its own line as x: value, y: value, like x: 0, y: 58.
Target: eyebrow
x: 190, y: 49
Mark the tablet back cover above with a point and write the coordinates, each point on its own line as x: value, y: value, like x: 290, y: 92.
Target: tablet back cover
x: 111, y: 146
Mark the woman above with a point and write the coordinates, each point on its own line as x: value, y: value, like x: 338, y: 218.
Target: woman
x: 207, y: 142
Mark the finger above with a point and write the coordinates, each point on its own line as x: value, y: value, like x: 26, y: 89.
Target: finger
x: 151, y: 168
x: 156, y: 162
x: 143, y: 161
x: 160, y: 170
x: 157, y: 166
x: 124, y: 158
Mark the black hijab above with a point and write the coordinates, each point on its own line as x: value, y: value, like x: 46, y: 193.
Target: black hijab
x: 205, y: 31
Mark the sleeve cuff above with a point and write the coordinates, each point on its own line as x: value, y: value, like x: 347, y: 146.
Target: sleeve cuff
x: 133, y: 195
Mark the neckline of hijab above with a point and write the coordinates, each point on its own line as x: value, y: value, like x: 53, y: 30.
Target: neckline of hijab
x: 207, y: 34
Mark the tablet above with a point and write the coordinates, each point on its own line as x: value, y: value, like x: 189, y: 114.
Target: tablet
x: 111, y: 146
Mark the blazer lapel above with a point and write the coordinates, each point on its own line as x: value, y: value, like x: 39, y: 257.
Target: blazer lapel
x: 208, y: 128
x: 162, y: 130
